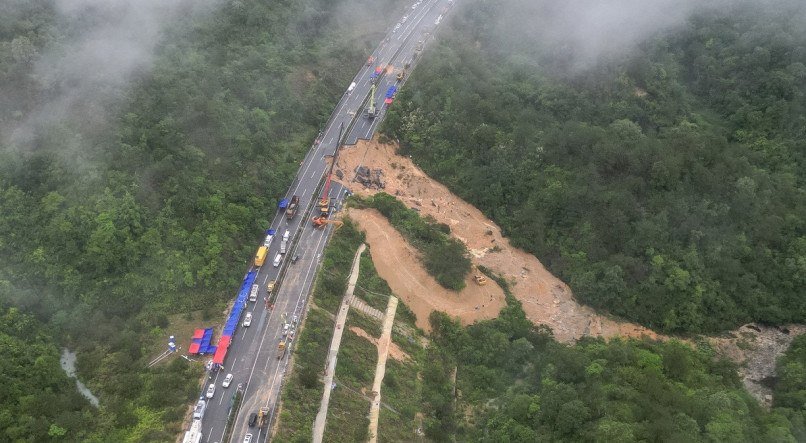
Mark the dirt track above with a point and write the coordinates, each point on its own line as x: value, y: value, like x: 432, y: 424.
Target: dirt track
x: 546, y: 300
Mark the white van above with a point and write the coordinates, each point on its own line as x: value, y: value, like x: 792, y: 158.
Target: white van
x: 253, y: 294
x: 283, y: 246
x: 287, y: 235
x: 352, y: 86
x: 277, y: 259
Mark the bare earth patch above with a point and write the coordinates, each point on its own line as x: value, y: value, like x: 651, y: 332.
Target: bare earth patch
x: 394, y: 350
x: 546, y: 300
x: 399, y: 264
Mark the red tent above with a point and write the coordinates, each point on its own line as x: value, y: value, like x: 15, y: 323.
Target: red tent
x: 193, y: 348
x: 198, y: 333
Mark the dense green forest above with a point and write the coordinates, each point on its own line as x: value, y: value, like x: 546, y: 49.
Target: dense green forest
x: 664, y: 184
x: 107, y: 229
x: 514, y: 383
x: 39, y: 402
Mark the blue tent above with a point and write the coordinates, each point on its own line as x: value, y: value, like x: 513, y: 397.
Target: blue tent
x: 283, y: 203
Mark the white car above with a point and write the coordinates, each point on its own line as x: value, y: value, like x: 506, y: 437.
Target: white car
x: 439, y: 19
x: 227, y: 381
x: 247, y: 438
x: 211, y: 390
x: 248, y: 320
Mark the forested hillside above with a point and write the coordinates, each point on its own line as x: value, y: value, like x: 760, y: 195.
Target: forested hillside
x: 514, y: 383
x: 145, y: 198
x: 664, y: 183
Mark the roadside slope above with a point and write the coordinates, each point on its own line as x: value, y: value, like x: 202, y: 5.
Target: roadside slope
x: 546, y: 299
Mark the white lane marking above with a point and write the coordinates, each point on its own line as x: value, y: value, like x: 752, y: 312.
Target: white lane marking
x: 307, y: 281
x: 309, y: 164
x: 266, y: 279
x: 210, y: 434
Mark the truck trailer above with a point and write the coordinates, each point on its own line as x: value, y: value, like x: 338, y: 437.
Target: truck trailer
x: 291, y: 211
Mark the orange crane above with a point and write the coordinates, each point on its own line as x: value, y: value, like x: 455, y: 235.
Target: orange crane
x: 320, y: 222
x: 324, y: 202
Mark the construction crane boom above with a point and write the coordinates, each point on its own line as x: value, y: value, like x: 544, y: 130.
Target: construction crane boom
x: 324, y: 202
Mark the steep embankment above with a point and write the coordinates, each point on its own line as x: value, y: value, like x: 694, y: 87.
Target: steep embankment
x: 546, y: 300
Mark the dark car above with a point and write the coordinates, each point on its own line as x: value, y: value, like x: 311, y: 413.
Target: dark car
x: 294, y: 259
x: 252, y: 419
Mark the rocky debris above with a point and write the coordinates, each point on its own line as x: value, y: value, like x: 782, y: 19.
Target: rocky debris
x: 756, y: 348
x: 370, y: 178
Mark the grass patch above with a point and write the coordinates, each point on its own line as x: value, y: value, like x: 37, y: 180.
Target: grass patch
x: 355, y: 370
x: 444, y: 257
x: 401, y: 391
x: 303, y: 392
x: 409, y: 345
x: 370, y: 286
x: 347, y: 417
x: 365, y: 322
x: 181, y: 326
x: 335, y: 271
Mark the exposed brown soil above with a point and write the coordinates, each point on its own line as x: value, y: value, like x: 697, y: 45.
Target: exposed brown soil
x: 394, y: 350
x: 399, y: 264
x: 546, y: 300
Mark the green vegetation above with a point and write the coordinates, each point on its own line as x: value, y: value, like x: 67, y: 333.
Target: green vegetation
x: 331, y: 282
x: 401, y: 391
x: 40, y: 402
x: 347, y: 419
x: 665, y: 186
x: 355, y: 370
x: 790, y: 388
x: 303, y: 389
x: 374, y: 290
x: 515, y: 383
x: 156, y: 209
x: 444, y: 257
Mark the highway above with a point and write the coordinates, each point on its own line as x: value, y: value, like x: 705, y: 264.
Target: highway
x: 253, y: 357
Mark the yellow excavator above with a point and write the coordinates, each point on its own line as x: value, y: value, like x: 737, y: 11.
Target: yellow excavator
x: 320, y: 222
x: 480, y: 278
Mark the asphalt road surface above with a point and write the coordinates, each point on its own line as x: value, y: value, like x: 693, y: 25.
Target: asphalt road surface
x: 253, y: 357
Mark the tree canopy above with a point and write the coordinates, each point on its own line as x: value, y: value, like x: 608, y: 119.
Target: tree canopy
x: 665, y: 185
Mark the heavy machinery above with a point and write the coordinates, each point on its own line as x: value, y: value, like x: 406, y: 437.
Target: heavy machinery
x: 263, y: 417
x: 480, y: 278
x: 321, y: 222
x: 325, y: 202
x: 292, y: 207
x: 401, y: 75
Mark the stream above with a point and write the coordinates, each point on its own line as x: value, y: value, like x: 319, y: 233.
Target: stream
x: 68, y: 362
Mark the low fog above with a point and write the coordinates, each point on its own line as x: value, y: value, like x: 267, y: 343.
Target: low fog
x: 102, y: 45
x: 586, y: 32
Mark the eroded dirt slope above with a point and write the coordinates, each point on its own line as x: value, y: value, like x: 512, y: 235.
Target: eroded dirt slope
x: 546, y: 300
x: 399, y: 264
